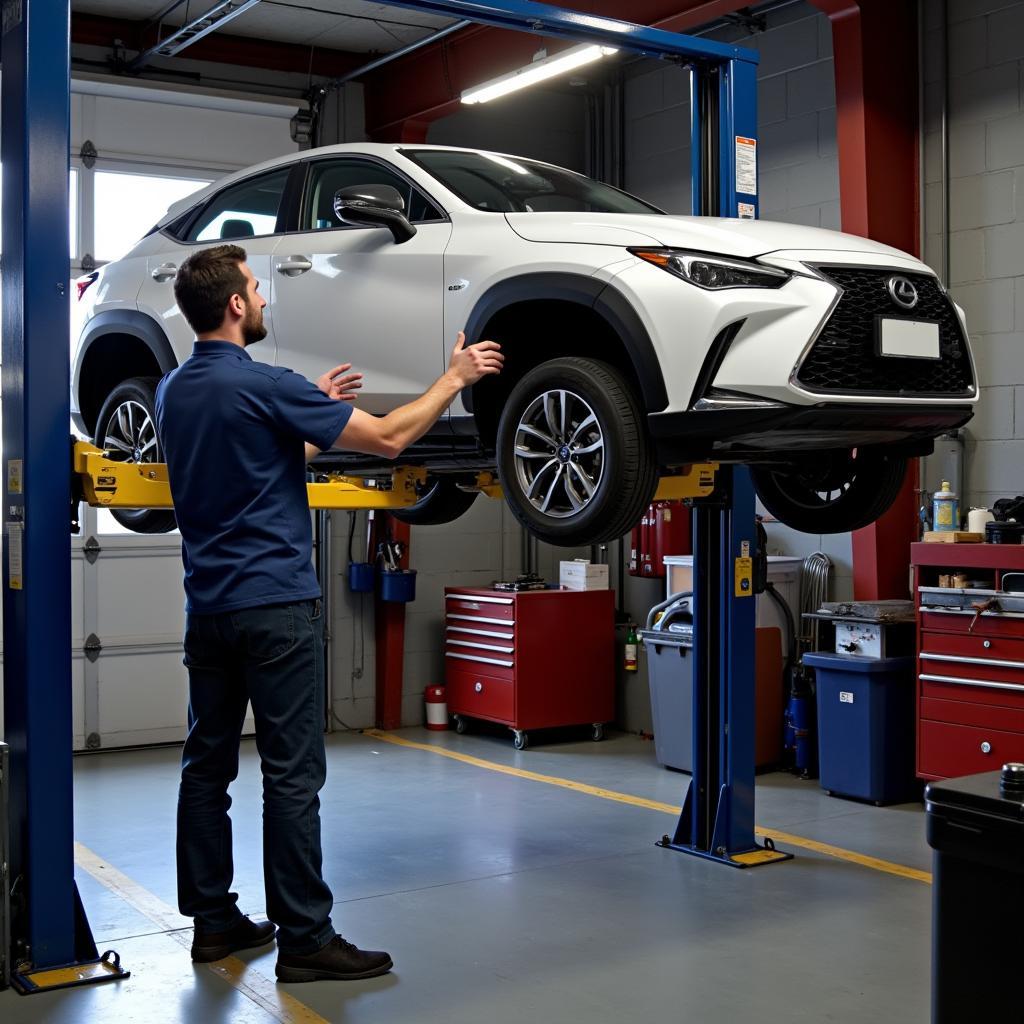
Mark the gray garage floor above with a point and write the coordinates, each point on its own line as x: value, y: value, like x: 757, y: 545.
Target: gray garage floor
x: 504, y: 898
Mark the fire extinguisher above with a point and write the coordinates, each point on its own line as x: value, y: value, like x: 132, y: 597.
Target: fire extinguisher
x: 664, y: 530
x: 631, y: 649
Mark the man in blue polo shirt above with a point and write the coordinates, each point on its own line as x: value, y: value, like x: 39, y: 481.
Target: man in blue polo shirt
x: 237, y: 435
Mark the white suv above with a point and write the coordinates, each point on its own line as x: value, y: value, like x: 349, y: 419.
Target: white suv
x: 634, y: 341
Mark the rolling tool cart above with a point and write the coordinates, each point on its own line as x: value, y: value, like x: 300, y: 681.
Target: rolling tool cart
x: 530, y: 659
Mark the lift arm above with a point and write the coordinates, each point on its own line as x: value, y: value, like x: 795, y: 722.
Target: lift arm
x: 103, y: 482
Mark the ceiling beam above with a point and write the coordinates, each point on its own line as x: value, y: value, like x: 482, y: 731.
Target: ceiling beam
x: 184, y: 36
x: 428, y: 84
x: 218, y: 48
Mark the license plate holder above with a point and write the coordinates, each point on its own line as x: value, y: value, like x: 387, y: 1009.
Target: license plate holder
x: 906, y: 338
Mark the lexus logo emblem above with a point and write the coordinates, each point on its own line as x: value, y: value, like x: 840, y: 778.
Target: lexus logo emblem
x: 902, y: 291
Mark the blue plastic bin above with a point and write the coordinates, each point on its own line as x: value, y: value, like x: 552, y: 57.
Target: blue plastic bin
x: 866, y: 726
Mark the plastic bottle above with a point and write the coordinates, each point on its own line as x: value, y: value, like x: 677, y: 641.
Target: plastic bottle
x: 631, y: 649
x: 945, y: 509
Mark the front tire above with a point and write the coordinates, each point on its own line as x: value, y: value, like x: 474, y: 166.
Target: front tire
x: 126, y: 431
x: 836, y: 493
x: 574, y: 459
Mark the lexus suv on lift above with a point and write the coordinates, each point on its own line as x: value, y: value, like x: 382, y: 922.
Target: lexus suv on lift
x: 634, y: 341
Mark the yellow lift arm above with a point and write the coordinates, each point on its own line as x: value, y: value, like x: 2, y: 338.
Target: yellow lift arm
x: 107, y: 483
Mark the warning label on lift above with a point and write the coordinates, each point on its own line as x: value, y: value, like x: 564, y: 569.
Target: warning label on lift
x: 744, y: 577
x: 746, y: 165
x: 14, y: 560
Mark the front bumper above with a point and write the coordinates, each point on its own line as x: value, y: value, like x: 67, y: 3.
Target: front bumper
x: 779, y: 432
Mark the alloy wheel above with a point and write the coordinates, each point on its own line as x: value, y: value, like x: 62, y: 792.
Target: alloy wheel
x: 130, y: 434
x: 559, y: 453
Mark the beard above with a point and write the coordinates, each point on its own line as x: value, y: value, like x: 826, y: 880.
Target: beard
x: 253, y: 328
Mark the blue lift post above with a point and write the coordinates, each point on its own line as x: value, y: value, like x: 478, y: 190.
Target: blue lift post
x: 50, y: 930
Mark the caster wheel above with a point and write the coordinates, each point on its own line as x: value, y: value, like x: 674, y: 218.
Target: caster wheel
x: 520, y: 741
x: 598, y: 733
x: 460, y: 724
x: 828, y: 792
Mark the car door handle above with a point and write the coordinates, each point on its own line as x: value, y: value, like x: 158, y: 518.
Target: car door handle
x: 164, y: 272
x: 294, y: 265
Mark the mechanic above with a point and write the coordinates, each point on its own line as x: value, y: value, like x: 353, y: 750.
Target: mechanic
x: 233, y: 433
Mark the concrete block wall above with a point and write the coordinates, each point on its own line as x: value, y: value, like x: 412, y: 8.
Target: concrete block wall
x: 799, y: 173
x: 986, y: 223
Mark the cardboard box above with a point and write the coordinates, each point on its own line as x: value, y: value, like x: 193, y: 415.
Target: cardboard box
x: 580, y: 574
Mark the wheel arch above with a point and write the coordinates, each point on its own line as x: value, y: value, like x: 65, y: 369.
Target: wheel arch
x: 547, y: 307
x: 117, y: 345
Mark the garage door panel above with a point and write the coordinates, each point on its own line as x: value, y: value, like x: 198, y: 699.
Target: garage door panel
x: 157, y: 603
x: 143, y: 698
x: 142, y: 693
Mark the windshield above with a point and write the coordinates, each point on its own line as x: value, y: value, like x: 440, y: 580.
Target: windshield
x: 501, y: 184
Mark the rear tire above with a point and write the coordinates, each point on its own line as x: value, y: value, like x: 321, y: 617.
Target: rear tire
x: 442, y: 502
x: 837, y: 493
x: 574, y: 459
x: 126, y: 431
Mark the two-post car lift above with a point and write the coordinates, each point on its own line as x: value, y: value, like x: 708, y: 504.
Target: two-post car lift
x: 51, y: 943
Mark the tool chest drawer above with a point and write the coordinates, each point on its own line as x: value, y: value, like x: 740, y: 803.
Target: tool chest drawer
x: 946, y: 750
x: 486, y: 607
x: 962, y: 712
x: 988, y: 624
x: 482, y: 696
x: 552, y: 651
x: 970, y: 647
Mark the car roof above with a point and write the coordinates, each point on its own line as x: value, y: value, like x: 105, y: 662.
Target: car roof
x: 381, y: 149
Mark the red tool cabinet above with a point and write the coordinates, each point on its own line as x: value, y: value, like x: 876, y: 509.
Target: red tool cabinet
x: 532, y: 659
x: 970, y: 649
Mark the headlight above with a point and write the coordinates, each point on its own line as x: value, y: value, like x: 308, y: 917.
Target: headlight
x: 713, y: 272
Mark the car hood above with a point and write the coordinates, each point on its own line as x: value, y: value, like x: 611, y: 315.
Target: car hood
x: 723, y: 235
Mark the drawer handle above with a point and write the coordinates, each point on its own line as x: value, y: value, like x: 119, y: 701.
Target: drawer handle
x: 987, y: 684
x: 937, y: 610
x: 474, y: 657
x: 482, y: 647
x: 964, y: 660
x: 476, y: 599
x: 986, y: 747
x: 481, y: 618
x: 480, y: 632
x: 479, y: 687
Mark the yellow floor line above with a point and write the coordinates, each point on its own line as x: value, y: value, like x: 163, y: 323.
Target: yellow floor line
x: 255, y: 986
x: 785, y: 838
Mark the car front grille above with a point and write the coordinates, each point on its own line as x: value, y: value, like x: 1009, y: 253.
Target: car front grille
x: 844, y: 358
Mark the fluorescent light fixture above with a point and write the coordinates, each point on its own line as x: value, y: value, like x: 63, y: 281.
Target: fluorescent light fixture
x: 538, y: 71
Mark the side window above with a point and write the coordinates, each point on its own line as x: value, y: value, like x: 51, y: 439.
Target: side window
x: 327, y: 176
x: 243, y: 210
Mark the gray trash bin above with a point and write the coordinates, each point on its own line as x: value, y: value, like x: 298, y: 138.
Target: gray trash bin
x: 670, y: 675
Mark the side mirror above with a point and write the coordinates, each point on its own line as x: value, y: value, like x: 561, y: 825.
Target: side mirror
x: 374, y: 206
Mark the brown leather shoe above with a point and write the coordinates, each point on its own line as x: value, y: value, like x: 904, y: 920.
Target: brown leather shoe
x: 337, y: 961
x: 246, y: 934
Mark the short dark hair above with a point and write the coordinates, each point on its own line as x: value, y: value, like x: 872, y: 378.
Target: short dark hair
x: 206, y: 281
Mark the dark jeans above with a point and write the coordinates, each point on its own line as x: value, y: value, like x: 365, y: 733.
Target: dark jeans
x: 273, y: 657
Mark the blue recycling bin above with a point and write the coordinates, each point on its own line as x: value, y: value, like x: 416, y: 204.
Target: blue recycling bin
x: 866, y: 726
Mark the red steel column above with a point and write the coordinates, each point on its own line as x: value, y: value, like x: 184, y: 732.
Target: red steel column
x: 389, y: 632
x: 876, y: 60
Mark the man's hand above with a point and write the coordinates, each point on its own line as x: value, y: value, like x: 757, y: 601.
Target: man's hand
x: 468, y: 365
x: 339, y: 385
